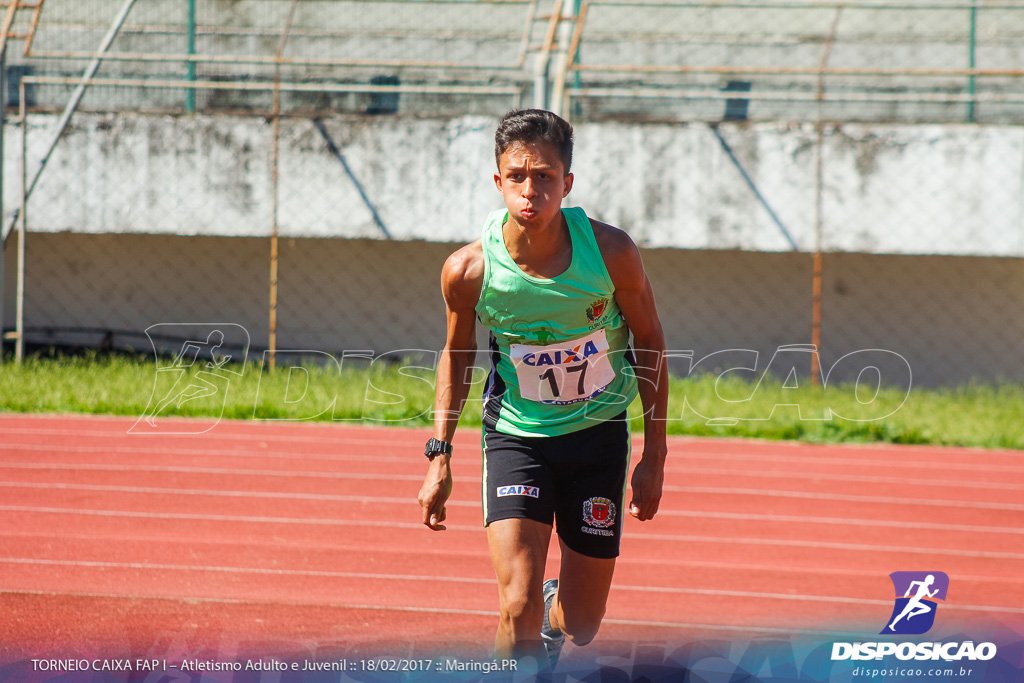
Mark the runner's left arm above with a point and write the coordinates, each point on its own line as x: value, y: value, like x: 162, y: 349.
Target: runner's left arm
x: 635, y: 298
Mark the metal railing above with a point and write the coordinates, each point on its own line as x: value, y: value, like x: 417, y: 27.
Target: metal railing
x: 316, y: 48
x: 683, y: 73
x: 944, y: 61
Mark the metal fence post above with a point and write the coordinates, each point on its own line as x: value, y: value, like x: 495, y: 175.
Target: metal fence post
x: 542, y: 77
x: 3, y: 120
x: 971, y: 61
x: 19, y: 324
x: 8, y: 21
x: 275, y: 187
x: 819, y: 190
x: 190, y: 94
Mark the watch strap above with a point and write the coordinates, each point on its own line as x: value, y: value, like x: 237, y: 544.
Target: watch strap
x: 435, y: 447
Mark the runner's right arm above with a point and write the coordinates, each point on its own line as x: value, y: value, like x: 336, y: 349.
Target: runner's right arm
x: 461, y: 280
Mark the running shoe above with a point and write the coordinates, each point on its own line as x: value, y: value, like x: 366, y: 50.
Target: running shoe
x: 552, y: 638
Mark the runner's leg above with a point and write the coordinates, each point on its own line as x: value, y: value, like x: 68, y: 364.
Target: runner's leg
x: 583, y: 585
x: 519, y: 550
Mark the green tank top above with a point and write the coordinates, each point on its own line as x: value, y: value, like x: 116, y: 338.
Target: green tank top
x: 559, y: 347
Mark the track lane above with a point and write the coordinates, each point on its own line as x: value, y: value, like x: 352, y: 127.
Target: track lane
x: 286, y: 521
x: 356, y: 507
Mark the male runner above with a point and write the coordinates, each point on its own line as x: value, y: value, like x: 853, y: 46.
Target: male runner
x: 560, y: 294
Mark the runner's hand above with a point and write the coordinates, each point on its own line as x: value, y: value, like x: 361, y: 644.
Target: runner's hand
x: 437, y: 486
x: 647, y: 481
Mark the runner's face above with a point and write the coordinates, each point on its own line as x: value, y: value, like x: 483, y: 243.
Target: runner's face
x: 533, y: 182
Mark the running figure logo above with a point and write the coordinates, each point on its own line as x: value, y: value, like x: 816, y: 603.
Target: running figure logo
x: 199, y: 375
x: 914, y: 612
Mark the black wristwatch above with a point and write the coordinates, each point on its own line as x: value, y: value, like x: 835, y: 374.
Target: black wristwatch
x: 435, y: 448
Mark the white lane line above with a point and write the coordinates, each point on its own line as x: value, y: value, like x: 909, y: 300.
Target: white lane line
x: 409, y: 500
x: 903, y: 481
x: 321, y: 545
x: 340, y: 453
x: 473, y: 450
x: 184, y: 469
x: 842, y: 521
x: 471, y: 580
x: 480, y: 554
x: 239, y: 546
x: 731, y: 474
x: 888, y: 500
x: 472, y: 479
x: 803, y: 570
x: 333, y: 475
x: 245, y: 570
x: 805, y: 598
x: 824, y: 544
x: 411, y: 435
x: 409, y: 608
x: 731, y: 629
x: 888, y: 462
x: 190, y: 600
x: 456, y: 527
x: 475, y: 503
x: 230, y: 518
x: 411, y: 441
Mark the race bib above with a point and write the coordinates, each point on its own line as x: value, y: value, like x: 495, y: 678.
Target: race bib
x: 567, y: 372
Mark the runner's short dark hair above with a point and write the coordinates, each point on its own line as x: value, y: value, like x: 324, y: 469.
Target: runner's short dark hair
x: 530, y: 126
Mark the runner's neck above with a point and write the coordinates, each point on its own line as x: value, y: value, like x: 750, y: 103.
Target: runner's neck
x: 544, y: 252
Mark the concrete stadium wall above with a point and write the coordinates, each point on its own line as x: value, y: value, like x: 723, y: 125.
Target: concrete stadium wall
x: 952, y: 318
x: 923, y: 189
x: 142, y: 220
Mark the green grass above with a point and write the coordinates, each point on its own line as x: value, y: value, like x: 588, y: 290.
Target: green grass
x: 988, y: 416
x: 983, y: 415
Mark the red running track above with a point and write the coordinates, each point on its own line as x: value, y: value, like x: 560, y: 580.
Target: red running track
x: 301, y: 538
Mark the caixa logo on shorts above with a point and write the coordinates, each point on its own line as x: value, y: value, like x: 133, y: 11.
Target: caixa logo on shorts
x: 529, y: 491
x: 599, y: 514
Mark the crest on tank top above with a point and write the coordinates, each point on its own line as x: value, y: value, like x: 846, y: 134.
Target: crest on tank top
x: 596, y: 310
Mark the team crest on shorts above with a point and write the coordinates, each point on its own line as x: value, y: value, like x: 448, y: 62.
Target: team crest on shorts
x: 599, y: 512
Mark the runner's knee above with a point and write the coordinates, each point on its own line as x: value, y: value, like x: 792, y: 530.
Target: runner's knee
x: 521, y: 617
x: 581, y: 626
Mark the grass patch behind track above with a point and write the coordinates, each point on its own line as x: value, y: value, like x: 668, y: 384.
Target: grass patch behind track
x: 983, y: 415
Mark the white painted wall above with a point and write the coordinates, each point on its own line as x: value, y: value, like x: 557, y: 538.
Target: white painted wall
x: 952, y: 318
x: 142, y: 220
x: 898, y: 189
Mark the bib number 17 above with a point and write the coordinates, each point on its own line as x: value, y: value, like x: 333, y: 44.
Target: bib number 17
x: 566, y: 372
x: 552, y: 380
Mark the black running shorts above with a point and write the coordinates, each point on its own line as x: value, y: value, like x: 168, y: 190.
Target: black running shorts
x: 576, y: 480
